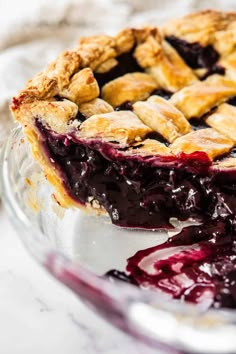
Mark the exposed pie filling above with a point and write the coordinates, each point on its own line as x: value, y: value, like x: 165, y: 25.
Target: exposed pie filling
x: 195, y: 55
x: 126, y: 63
x: 142, y: 126
x: 141, y: 191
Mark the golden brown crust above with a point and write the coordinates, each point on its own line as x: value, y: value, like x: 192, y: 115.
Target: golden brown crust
x: 207, y: 140
x: 125, y: 40
x: 49, y: 168
x: 82, y: 87
x: 164, y: 63
x: 50, y: 82
x: 96, y: 50
x: 224, y: 121
x: 228, y: 162
x: 198, y: 99
x: 100, y: 52
x: 57, y: 115
x: 123, y: 127
x: 148, y: 147
x: 95, y: 106
x: 162, y: 117
x: 203, y: 27
x: 130, y: 87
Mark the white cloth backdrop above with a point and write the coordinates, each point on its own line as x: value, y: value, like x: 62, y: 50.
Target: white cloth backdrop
x: 33, y: 32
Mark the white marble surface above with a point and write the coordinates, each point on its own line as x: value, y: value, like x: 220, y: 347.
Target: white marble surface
x: 37, y: 314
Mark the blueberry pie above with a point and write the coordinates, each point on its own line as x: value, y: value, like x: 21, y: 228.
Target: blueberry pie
x: 142, y: 125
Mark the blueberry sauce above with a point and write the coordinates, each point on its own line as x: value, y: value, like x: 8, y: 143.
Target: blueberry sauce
x: 197, y: 265
x: 141, y: 192
x: 194, y: 54
x: 126, y: 64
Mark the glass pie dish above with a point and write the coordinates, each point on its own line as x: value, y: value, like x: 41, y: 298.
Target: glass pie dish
x: 78, y: 249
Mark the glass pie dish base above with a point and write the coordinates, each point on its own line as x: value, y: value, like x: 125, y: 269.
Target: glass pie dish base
x: 79, y: 248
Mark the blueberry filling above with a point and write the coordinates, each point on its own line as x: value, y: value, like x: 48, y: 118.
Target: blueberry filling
x: 126, y: 106
x: 194, y: 54
x: 80, y: 117
x: 58, y: 98
x: 215, y: 69
x: 232, y: 101
x: 163, y: 93
x: 126, y: 64
x: 197, y: 124
x: 141, y: 192
x: 157, y: 137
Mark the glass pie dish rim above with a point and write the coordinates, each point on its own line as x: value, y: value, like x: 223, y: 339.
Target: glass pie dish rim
x: 133, y: 310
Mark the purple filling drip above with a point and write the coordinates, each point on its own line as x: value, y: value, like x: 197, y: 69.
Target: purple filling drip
x: 233, y: 152
x: 197, y: 265
x: 141, y: 192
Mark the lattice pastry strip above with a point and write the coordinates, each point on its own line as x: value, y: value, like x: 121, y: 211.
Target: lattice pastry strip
x: 207, y: 28
x: 123, y: 127
x: 199, y: 98
x: 207, y: 140
x: 96, y: 106
x: 165, y: 65
x: 159, y: 115
x: 149, y: 147
x: 162, y: 117
x: 130, y: 87
x: 224, y: 120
